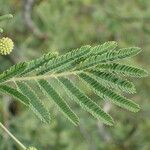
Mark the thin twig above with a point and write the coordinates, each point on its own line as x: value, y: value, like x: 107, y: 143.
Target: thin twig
x: 27, y: 14
x: 12, y: 136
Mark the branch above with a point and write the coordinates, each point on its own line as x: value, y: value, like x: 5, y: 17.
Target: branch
x: 27, y: 11
x: 12, y: 136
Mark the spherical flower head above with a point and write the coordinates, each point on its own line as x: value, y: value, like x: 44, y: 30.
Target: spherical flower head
x: 31, y: 148
x: 6, y: 46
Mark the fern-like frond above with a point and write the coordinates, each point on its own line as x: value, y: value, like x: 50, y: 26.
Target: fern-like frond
x: 85, y: 102
x: 12, y: 72
x: 60, y: 103
x: 113, y: 80
x: 96, y: 66
x: 100, y: 49
x: 107, y: 93
x: 60, y: 62
x: 109, y: 56
x: 123, y: 69
x: 103, y: 48
x: 35, y: 103
x: 36, y: 63
x: 14, y: 93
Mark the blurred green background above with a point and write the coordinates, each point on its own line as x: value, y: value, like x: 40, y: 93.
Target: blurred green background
x: 40, y: 26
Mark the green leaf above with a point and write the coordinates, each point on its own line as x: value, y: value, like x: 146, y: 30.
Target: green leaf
x: 113, y: 81
x: 36, y: 63
x: 100, y: 49
x: 93, y: 65
x: 60, y: 103
x: 123, y: 69
x: 60, y: 62
x: 109, y: 56
x: 16, y: 94
x: 13, y: 71
x: 109, y: 94
x: 103, y: 48
x: 35, y: 103
x: 85, y: 102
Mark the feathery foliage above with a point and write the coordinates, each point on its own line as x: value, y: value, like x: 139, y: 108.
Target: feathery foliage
x: 35, y: 64
x: 93, y: 65
x: 109, y: 94
x: 112, y: 81
x: 12, y: 72
x: 35, y: 103
x: 103, y: 48
x: 123, y: 69
x: 109, y: 57
x: 60, y: 62
x: 85, y: 102
x: 59, y: 101
x: 14, y: 93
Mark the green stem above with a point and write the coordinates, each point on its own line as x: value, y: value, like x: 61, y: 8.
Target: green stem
x: 12, y: 136
x: 48, y: 76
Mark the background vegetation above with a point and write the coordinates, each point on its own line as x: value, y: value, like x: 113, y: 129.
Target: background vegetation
x: 59, y: 25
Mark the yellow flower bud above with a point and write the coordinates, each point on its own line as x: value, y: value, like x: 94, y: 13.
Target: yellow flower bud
x: 6, y: 46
